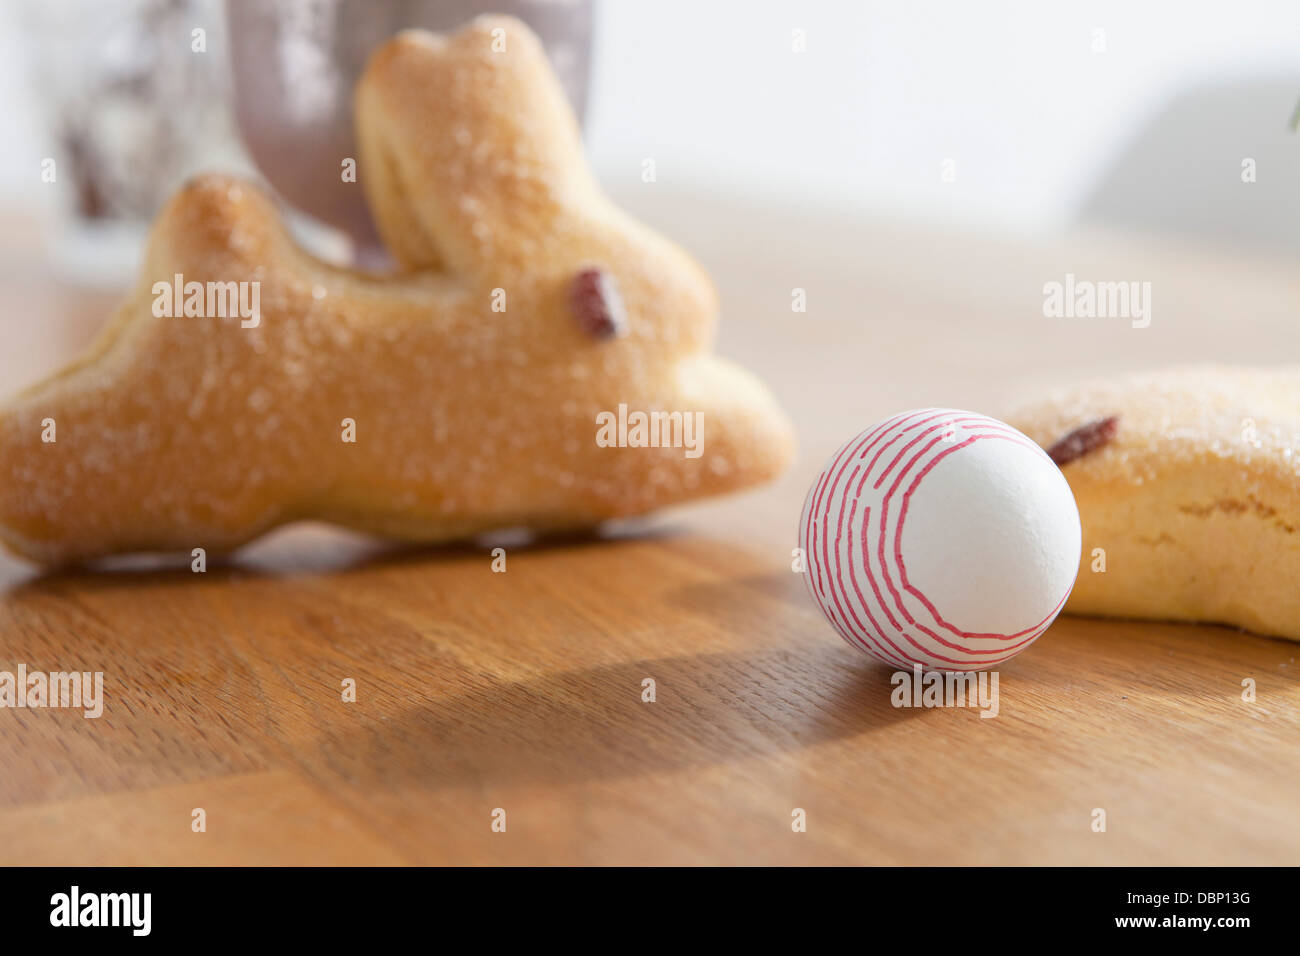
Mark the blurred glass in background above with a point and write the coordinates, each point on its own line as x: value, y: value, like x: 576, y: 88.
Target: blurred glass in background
x: 139, y: 95
x: 131, y: 110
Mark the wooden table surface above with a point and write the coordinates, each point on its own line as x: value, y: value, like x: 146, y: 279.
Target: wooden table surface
x: 522, y: 691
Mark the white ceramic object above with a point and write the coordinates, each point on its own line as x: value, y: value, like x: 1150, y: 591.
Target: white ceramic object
x: 942, y: 538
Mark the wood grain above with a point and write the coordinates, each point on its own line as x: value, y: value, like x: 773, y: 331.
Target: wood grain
x: 522, y: 690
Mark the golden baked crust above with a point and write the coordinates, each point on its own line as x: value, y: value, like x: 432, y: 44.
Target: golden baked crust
x: 1196, y: 501
x: 176, y: 433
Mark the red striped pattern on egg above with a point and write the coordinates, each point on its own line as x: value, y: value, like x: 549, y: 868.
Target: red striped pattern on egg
x: 851, y: 533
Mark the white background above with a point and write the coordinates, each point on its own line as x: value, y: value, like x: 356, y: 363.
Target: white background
x: 1010, y: 90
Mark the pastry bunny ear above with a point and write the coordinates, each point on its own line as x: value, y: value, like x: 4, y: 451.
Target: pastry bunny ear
x: 469, y: 152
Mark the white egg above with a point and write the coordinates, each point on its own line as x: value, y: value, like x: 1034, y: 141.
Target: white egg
x: 940, y: 538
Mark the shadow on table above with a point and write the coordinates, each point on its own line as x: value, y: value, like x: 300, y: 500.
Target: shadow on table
x: 297, y: 551
x: 594, y: 723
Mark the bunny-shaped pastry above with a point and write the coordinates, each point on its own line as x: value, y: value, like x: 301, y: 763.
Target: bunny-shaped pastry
x: 541, y: 362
